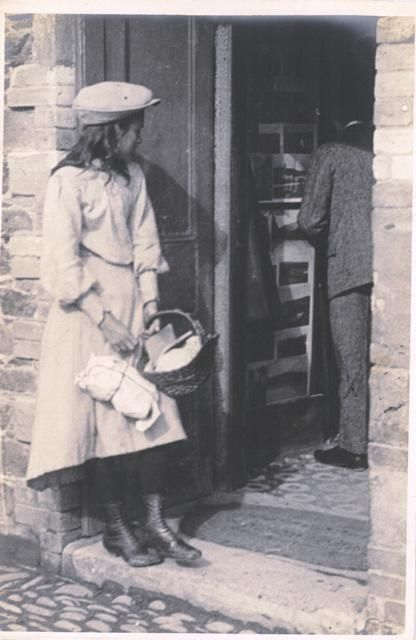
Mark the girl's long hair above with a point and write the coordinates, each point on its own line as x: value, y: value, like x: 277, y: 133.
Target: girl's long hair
x: 100, y: 142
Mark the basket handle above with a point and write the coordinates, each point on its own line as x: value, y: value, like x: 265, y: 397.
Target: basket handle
x: 176, y: 312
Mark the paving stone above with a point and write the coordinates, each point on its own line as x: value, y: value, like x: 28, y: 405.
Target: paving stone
x: 174, y: 627
x: 185, y: 617
x: 31, y: 583
x: 121, y: 608
x: 136, y: 620
x: 247, y: 631
x: 15, y: 597
x: 73, y: 615
x: 99, y: 607
x: 10, y: 607
x: 131, y: 628
x: 75, y: 590
x: 157, y: 605
x: 219, y: 627
x: 66, y: 625
x: 39, y: 611
x: 31, y: 594
x: 12, y: 576
x: 43, y: 601
x: 66, y: 601
x: 15, y: 627
x: 37, y: 626
x: 123, y: 599
x: 98, y: 625
x: 106, y: 617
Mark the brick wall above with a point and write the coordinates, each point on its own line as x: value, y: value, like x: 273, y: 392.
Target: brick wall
x: 38, y: 125
x: 392, y: 199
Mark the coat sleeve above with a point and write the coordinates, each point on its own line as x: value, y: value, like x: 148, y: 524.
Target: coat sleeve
x: 313, y: 216
x: 147, y: 254
x: 63, y: 273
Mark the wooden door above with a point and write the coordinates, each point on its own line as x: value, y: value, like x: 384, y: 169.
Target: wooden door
x: 174, y: 57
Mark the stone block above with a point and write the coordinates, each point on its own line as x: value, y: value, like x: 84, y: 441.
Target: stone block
x: 25, y: 267
x: 395, y: 29
x: 381, y: 167
x: 64, y: 95
x: 18, y: 129
x: 29, y: 171
x: 61, y: 75
x: 402, y: 167
x: 395, y: 57
x: 15, y: 219
x: 6, y: 410
x: 388, y: 407
x: 382, y: 455
x: 27, y: 330
x: 393, y: 84
x: 18, y: 48
x: 63, y: 499
x: 44, y: 39
x: 17, y: 379
x: 389, y: 587
x: 25, y: 246
x: 66, y: 521
x: 62, y: 139
x: 393, y: 112
x: 16, y: 303
x: 6, y: 340
x: 393, y: 141
x: 15, y: 458
x: 56, y: 542
x: 385, y: 560
x: 31, y: 517
x: 50, y: 561
x: 24, y: 495
x: 395, y: 612
x: 388, y: 510
x: 65, y: 30
x: 27, y: 349
x: 50, y: 116
x: 30, y: 97
x: 393, y: 194
x: 28, y: 75
x: 386, y: 353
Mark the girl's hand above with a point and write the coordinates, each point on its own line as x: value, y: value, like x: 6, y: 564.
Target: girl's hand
x: 116, y: 334
x: 149, y: 309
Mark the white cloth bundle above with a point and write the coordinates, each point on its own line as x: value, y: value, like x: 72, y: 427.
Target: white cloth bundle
x: 180, y: 354
x: 109, y: 379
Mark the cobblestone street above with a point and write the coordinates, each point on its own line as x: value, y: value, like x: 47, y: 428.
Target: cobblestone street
x: 34, y: 601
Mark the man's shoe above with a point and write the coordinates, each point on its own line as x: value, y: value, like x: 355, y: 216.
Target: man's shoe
x: 339, y: 457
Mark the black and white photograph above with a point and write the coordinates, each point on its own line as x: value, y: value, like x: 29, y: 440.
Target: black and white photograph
x: 207, y: 352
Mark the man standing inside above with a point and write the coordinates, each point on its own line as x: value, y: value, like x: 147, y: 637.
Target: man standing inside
x: 336, y: 211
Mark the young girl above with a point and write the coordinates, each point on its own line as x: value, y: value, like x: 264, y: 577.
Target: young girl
x: 101, y: 256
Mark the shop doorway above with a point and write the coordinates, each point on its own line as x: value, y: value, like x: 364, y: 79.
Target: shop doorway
x: 296, y: 82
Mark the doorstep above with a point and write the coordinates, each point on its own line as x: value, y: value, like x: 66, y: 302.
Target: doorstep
x: 272, y: 591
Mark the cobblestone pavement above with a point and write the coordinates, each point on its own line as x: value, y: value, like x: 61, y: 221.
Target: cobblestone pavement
x: 302, y: 482
x: 35, y: 601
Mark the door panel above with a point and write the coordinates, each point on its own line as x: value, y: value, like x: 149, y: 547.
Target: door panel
x: 174, y: 57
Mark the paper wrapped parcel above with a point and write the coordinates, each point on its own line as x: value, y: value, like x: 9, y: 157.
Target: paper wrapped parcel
x: 110, y: 379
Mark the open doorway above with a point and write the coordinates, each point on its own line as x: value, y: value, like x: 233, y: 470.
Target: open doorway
x: 296, y: 82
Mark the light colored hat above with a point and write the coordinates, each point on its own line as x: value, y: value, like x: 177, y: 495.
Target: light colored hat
x: 109, y: 101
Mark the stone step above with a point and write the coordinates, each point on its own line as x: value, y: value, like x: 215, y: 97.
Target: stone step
x: 244, y: 585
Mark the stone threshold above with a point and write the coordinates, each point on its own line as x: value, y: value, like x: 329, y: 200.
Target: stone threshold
x: 252, y: 587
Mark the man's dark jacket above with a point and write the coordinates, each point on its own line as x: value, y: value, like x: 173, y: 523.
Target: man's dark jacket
x: 337, y: 203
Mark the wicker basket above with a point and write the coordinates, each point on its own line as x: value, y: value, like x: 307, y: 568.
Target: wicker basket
x: 185, y: 380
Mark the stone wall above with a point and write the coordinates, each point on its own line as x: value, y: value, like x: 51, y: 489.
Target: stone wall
x: 389, y: 380
x: 38, y: 125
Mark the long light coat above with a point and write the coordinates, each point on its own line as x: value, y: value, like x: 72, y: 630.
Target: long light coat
x: 101, y: 252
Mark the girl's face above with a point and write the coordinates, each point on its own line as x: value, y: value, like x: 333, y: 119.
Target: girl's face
x: 130, y: 137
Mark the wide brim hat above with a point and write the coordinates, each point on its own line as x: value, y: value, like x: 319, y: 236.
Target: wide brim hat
x: 109, y: 101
